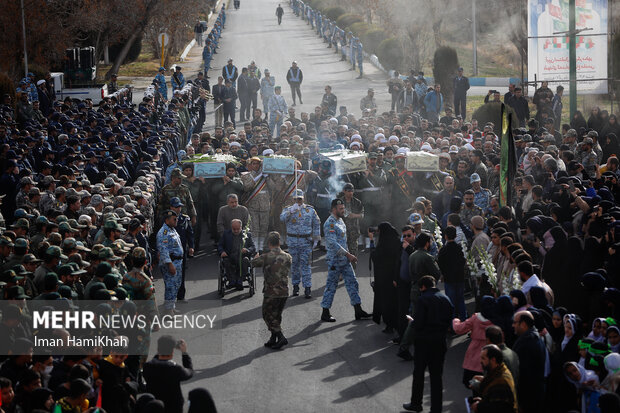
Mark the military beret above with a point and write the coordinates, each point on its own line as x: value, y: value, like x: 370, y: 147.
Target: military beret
x: 337, y: 202
x: 169, y: 213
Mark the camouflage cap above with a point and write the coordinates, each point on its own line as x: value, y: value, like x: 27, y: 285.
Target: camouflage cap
x: 34, y: 191
x: 16, y: 292
x: 112, y: 224
x: 69, y: 243
x: 81, y: 247
x: 21, y: 270
x: 106, y: 253
x: 21, y: 243
x: 21, y: 223
x: 176, y: 173
x: 66, y: 227
x: 26, y: 180
x: 55, y: 251
x: 9, y: 276
x: 21, y: 213
x: 119, y: 247
x: 61, y: 218
x: 108, y: 182
x: 75, y: 224
x: 138, y: 253
x: 42, y: 220
x: 31, y: 259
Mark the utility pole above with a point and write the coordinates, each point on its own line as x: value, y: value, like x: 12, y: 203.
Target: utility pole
x: 572, y: 57
x: 474, y: 45
x: 25, y: 46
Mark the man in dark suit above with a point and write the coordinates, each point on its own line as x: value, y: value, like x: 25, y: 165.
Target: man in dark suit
x: 218, y: 100
x: 431, y: 321
x: 236, y: 245
x: 532, y: 354
x: 229, y: 97
x: 461, y: 86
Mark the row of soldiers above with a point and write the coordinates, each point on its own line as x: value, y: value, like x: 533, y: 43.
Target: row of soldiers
x: 351, y: 48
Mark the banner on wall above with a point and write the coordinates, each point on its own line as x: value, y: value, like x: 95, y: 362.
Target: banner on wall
x: 548, y: 57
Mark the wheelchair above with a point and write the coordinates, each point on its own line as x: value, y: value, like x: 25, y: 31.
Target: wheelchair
x: 249, y: 277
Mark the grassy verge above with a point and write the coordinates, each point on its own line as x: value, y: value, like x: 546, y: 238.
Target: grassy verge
x: 144, y: 66
x: 584, y: 104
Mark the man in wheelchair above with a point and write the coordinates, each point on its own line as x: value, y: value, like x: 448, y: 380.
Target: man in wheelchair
x: 236, y: 247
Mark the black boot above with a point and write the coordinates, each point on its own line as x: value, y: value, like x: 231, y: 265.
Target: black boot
x: 326, y: 316
x: 272, y: 340
x: 295, y: 290
x: 281, y: 341
x: 308, y: 292
x: 361, y: 314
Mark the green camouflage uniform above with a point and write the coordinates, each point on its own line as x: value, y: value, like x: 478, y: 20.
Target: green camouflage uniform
x: 182, y: 192
x: 276, y: 268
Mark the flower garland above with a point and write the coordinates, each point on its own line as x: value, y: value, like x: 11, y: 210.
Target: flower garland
x: 244, y: 236
x: 218, y: 157
x: 510, y: 282
x: 471, y: 261
x: 488, y: 269
x: 437, y: 236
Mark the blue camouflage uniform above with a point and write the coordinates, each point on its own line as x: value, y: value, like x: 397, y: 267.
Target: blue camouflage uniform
x: 302, y: 225
x: 186, y: 234
x: 354, y: 41
x: 162, y: 87
x: 337, y: 263
x: 170, y: 251
x: 33, y: 94
x: 177, y: 85
x: 360, y: 56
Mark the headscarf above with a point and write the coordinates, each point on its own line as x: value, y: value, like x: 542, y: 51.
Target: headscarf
x: 487, y: 307
x: 600, y: 337
x: 200, y: 401
x: 142, y: 401
x: 586, y: 375
x: 612, y: 363
x: 520, y: 296
x: 557, y: 334
x: 389, y: 240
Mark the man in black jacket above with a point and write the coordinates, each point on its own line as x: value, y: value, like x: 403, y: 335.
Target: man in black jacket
x: 452, y: 262
x: 243, y: 91
x: 532, y: 354
x: 461, y: 86
x: 431, y: 320
x: 520, y: 106
x: 163, y: 376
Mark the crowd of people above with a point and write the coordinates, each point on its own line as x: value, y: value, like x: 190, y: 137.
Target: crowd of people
x: 94, y: 198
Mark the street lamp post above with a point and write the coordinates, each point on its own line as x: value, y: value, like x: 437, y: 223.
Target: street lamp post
x: 24, y: 37
x: 474, y: 45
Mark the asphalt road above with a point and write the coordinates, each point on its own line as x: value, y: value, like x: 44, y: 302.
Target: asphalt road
x: 347, y: 366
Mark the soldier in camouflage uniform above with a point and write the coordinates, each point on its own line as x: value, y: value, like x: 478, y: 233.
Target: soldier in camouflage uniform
x: 48, y: 200
x: 176, y: 189
x: 587, y: 157
x: 26, y: 183
x: 276, y: 268
x: 257, y: 199
x: 354, y: 212
x: 139, y: 285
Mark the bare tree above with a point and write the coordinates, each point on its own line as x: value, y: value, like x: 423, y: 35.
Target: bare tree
x: 143, y: 9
